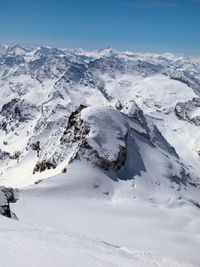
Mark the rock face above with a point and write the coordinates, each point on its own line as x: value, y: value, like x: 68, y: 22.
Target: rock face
x: 106, y: 143
x: 83, y: 137
x: 189, y: 111
x: 7, y: 196
x: 16, y: 112
x: 65, y: 143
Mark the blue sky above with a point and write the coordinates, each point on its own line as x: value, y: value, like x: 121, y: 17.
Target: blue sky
x: 137, y: 25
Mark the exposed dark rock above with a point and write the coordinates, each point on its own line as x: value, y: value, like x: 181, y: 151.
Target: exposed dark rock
x: 44, y: 165
x: 7, y: 195
x: 145, y: 135
x: 76, y: 128
x: 36, y: 146
x: 16, y: 155
x: 181, y: 79
x: 64, y: 170
x: 197, y: 185
x: 14, y: 60
x: 197, y: 204
x: 92, y: 155
x: 75, y: 132
x: 16, y: 112
x: 11, y: 108
x: 118, y: 105
x: 4, y: 155
x: 185, y: 110
x: 38, y: 181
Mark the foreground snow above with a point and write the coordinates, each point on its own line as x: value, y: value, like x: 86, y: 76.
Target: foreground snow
x: 30, y: 245
x: 84, y: 200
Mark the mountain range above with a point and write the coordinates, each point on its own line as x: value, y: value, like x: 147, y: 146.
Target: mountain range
x: 99, y: 151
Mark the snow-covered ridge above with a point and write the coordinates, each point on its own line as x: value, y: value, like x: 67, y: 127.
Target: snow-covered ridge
x: 41, y: 86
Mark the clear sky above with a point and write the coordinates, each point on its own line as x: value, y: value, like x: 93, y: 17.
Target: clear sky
x: 137, y: 25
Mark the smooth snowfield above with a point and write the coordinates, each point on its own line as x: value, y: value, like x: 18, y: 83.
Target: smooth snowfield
x: 86, y: 201
x: 30, y: 245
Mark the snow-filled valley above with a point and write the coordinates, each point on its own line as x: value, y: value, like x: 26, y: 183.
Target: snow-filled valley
x: 100, y: 154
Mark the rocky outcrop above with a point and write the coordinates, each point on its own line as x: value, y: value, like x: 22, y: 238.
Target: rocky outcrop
x: 76, y: 128
x: 19, y: 110
x: 189, y: 111
x: 16, y: 112
x: 74, y: 142
x: 6, y: 155
x: 44, y: 165
x: 102, y: 137
x: 92, y: 155
x: 7, y: 195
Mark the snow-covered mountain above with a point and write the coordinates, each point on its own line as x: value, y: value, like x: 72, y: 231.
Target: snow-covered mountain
x: 115, y: 133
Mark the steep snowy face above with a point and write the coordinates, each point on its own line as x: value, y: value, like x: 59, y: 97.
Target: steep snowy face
x: 106, y: 143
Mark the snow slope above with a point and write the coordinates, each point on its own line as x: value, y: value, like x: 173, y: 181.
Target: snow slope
x: 134, y: 205
x: 31, y: 245
x: 85, y: 201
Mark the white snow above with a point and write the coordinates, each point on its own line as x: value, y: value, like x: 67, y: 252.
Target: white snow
x: 30, y: 245
x: 107, y: 126
x: 78, y: 202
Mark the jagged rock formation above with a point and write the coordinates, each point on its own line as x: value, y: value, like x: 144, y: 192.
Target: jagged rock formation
x: 15, y: 113
x: 65, y: 142
x: 75, y: 142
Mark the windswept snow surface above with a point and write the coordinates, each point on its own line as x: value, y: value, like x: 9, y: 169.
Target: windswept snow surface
x: 85, y: 201
x: 31, y: 245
